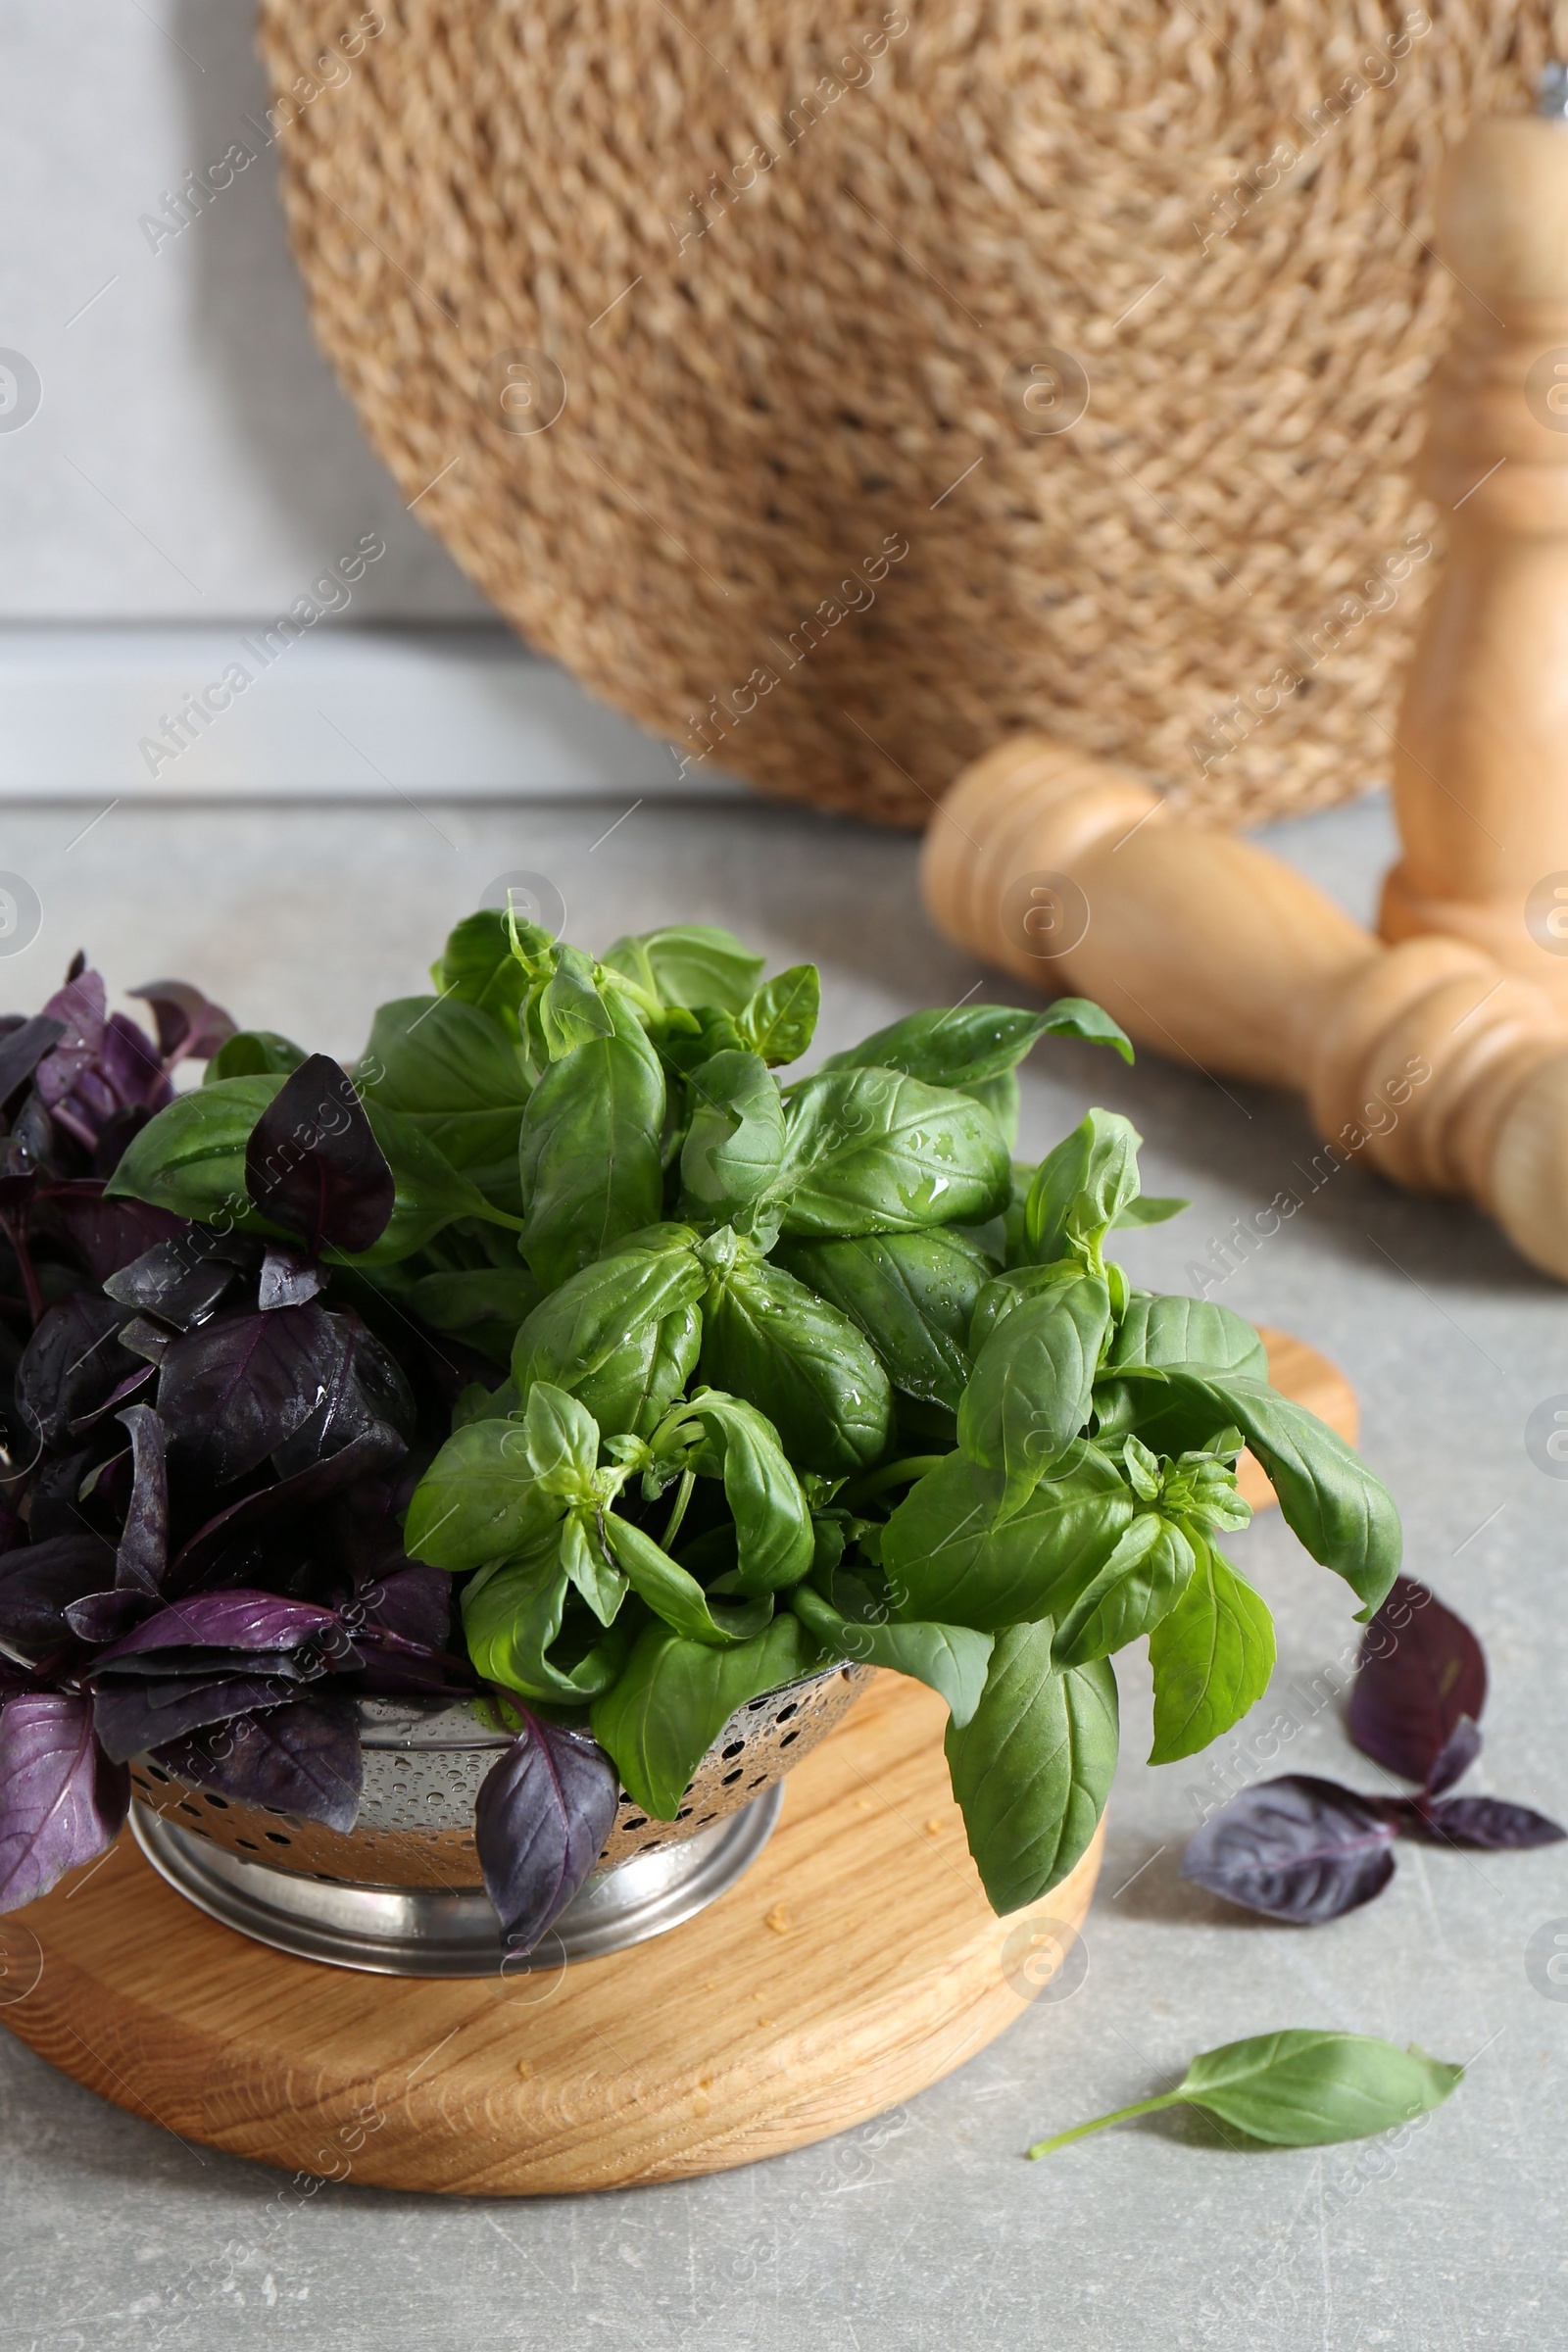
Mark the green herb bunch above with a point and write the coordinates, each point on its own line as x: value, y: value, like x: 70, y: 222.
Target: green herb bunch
x: 801, y: 1370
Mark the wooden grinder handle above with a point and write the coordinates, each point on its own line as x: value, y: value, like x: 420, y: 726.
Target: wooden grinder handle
x: 1449, y: 1074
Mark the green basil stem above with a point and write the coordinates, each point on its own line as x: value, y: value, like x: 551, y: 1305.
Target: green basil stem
x: 683, y: 1496
x: 892, y: 1474
x: 1117, y: 2115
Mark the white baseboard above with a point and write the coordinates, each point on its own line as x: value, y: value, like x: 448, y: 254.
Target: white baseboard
x: 343, y: 712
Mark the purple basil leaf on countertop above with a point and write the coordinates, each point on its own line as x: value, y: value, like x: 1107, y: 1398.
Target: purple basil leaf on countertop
x: 22, y: 1050
x: 312, y: 1164
x: 231, y: 1392
x: 134, y: 1717
x: 1296, y: 1849
x: 1420, y: 1670
x: 182, y: 1279
x: 39, y: 1581
x: 61, y: 1801
x: 541, y: 1818
x: 73, y: 1363
x: 1460, y: 1751
x: 188, y: 1023
x: 1486, y: 1821
x: 239, y: 1621
x: 302, y: 1757
x: 288, y: 1278
x: 141, y: 1562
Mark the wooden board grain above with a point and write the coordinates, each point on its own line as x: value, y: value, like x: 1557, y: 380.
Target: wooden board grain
x: 855, y: 1963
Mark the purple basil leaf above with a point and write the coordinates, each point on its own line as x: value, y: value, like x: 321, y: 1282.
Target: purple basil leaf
x: 181, y: 1280
x: 1460, y: 1751
x: 1487, y: 1821
x: 38, y: 1583
x: 134, y: 1717
x: 22, y: 1050
x: 367, y: 1396
x: 288, y: 1278
x: 312, y: 1164
x: 149, y: 1339
x: 232, y: 1391
x: 542, y: 1816
x: 188, y: 1023
x: 414, y: 1602
x: 143, y: 1559
x: 127, y: 1387
x: 72, y: 1364
x: 106, y: 1233
x: 1296, y: 1849
x: 130, y: 1065
x: 201, y: 1556
x: 300, y: 1758
x: 61, y: 1802
x: 1420, y: 1670
x: 239, y: 1621
x: 104, y: 1617
x: 79, y: 1007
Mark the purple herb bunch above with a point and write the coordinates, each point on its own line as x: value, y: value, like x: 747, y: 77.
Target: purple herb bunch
x: 1305, y: 1849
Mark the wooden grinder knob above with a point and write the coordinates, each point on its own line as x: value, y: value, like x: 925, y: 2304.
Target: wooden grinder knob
x: 1446, y: 1072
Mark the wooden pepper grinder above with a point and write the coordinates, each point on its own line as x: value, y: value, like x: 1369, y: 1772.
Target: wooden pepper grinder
x: 1444, y: 1071
x: 1481, y: 769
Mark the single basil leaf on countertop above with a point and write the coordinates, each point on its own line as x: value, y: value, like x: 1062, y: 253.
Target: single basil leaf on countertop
x: 540, y: 1821
x: 1296, y: 1849
x: 1420, y: 1673
x: 1298, y: 2089
x: 61, y: 1802
x: 1211, y: 1654
x: 689, y: 963
x: 813, y: 1373
x: 1030, y: 1393
x: 779, y: 1021
x: 589, y: 1151
x: 912, y: 1294
x: 302, y: 1758
x: 675, y: 1697
x: 869, y: 1151
x: 1486, y: 1821
x: 1033, y: 1766
x: 952, y: 1659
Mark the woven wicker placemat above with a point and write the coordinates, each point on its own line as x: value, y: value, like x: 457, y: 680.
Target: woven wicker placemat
x: 813, y: 293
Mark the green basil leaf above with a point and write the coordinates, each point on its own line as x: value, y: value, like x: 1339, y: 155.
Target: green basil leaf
x: 511, y: 1621
x: 952, y: 1659
x: 254, y: 1054
x: 571, y: 1011
x: 1142, y: 1581
x: 1304, y: 2089
x: 1211, y: 1654
x: 873, y: 1151
x: 1003, y: 1099
x: 736, y: 1138
x: 675, y: 1595
x: 1081, y: 1187
x: 1150, y: 1208
x: 774, y: 1538
x: 951, y: 1558
x: 1330, y: 1499
x: 430, y: 1193
x: 589, y: 1151
x: 997, y: 1300
x: 689, y: 963
x: 559, y: 1439
x: 813, y: 1373
x: 191, y: 1158
x: 1078, y: 1016
x: 480, y: 1501
x: 622, y: 1335
x: 603, y: 1585
x: 449, y: 1070
x: 1032, y: 1388
x: 1185, y: 1334
x: 780, y: 1021
x: 961, y: 1046
x: 676, y: 1696
x: 1032, y: 1768
x: 478, y: 968
x: 486, y: 1295
x: 912, y: 1294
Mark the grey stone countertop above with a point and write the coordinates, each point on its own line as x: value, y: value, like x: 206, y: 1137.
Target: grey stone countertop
x: 926, y: 2231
